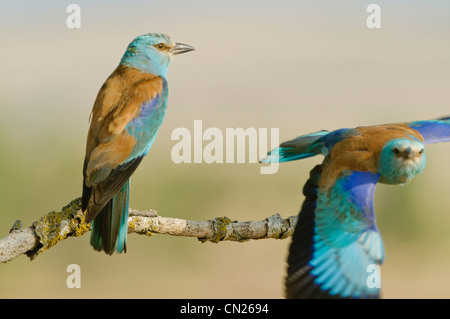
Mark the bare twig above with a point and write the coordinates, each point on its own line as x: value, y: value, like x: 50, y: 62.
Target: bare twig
x: 57, y: 226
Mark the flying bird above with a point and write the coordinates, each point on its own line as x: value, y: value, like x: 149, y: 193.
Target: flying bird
x: 336, y: 244
x: 125, y: 119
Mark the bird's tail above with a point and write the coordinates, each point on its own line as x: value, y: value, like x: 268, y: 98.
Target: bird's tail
x: 298, y: 148
x: 110, y: 226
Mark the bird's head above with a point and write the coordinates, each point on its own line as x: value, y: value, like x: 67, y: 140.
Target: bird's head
x: 152, y: 53
x: 400, y: 160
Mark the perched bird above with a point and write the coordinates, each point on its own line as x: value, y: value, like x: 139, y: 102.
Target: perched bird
x: 127, y: 113
x: 336, y: 245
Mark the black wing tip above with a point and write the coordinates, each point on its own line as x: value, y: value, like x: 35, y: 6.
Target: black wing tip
x: 105, y: 190
x: 445, y: 118
x: 301, y: 285
x: 85, y: 196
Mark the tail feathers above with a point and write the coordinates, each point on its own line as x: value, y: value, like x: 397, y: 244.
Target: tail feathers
x: 110, y: 226
x: 298, y: 148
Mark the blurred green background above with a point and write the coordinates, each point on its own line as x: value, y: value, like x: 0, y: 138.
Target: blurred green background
x: 300, y: 66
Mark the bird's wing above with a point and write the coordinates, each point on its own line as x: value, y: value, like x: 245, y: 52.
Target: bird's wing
x: 336, y: 246
x: 127, y: 114
x: 295, y: 149
x: 309, y: 145
x: 434, y: 131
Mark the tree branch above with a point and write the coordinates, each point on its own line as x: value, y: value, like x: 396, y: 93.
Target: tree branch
x: 56, y: 226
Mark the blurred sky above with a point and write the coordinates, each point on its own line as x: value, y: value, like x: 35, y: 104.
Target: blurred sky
x: 300, y: 66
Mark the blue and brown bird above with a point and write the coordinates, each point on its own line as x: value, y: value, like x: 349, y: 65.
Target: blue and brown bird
x: 336, y: 241
x: 127, y: 114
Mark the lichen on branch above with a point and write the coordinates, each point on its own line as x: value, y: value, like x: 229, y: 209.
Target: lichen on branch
x: 69, y: 222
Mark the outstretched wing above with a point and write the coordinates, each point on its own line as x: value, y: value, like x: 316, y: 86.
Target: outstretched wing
x: 309, y: 145
x: 126, y: 117
x: 336, y: 247
x: 435, y: 131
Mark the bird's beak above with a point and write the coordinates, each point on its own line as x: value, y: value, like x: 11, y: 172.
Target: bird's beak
x: 181, y: 48
x: 408, y: 154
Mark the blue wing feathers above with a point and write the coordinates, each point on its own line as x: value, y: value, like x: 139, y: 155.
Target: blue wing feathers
x: 298, y: 148
x: 334, y: 252
x: 433, y: 131
x: 145, y: 127
x: 329, y: 140
x: 308, y: 145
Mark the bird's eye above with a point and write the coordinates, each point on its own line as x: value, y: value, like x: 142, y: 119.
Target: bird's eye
x: 421, y: 152
x: 396, y: 151
x: 160, y: 46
